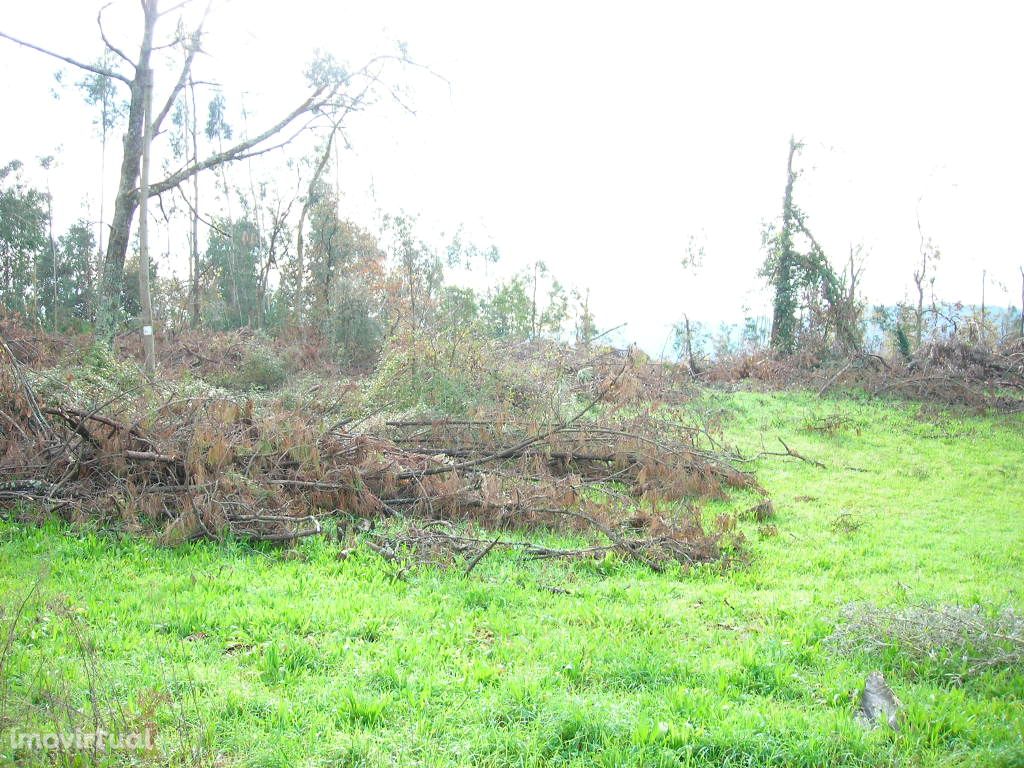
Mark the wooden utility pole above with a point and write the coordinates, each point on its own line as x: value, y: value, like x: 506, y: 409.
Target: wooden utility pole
x: 145, y: 299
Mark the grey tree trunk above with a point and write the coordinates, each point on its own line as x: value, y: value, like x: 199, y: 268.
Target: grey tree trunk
x: 127, y: 199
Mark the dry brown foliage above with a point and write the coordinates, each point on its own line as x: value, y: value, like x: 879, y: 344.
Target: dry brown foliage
x: 209, y: 466
x: 951, y: 372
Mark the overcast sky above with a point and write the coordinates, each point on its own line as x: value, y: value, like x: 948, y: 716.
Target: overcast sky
x: 599, y: 137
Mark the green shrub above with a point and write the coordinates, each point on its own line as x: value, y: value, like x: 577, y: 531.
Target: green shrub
x: 261, y: 370
x: 459, y: 376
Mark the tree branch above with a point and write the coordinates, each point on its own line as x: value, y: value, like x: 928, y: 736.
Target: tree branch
x: 175, y: 7
x: 319, y: 103
x: 185, y: 69
x: 102, y: 71
x: 238, y: 151
x: 206, y: 221
x: 103, y: 34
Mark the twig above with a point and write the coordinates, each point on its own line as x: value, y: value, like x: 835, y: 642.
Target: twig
x: 483, y: 553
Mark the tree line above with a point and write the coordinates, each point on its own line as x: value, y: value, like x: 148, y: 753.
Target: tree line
x: 356, y: 286
x: 278, y: 255
x: 272, y: 256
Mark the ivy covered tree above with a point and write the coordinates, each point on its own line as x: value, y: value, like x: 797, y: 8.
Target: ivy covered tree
x: 803, y: 281
x: 780, y: 266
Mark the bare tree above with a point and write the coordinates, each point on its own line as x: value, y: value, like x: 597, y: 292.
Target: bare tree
x: 326, y: 100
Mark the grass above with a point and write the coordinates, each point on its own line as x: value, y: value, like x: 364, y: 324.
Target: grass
x: 257, y: 659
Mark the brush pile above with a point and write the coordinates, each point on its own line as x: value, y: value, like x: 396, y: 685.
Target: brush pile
x: 955, y: 642
x: 950, y: 372
x: 211, y: 465
x: 957, y: 373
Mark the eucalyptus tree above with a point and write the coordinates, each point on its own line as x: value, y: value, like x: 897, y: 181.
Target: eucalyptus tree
x: 331, y: 93
x: 23, y: 238
x: 100, y: 91
x: 65, y: 277
x: 233, y: 254
x: 185, y: 148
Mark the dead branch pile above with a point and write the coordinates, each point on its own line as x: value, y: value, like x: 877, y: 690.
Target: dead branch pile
x: 957, y: 373
x: 591, y: 368
x: 951, y: 372
x: 955, y: 641
x: 210, y: 466
x: 36, y: 347
x: 200, y: 351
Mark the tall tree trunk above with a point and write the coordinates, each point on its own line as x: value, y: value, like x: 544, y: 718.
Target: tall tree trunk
x: 689, y: 346
x: 127, y: 199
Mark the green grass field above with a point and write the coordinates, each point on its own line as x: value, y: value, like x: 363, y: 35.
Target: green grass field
x: 261, y: 658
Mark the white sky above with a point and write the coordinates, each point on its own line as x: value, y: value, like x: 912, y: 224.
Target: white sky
x: 599, y: 137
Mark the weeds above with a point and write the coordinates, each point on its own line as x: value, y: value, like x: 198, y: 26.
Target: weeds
x: 952, y: 641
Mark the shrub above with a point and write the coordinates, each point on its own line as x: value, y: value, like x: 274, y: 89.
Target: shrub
x: 461, y: 375
x: 953, y: 641
x: 260, y: 370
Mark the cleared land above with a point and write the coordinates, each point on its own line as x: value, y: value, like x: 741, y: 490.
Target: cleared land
x: 254, y: 656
